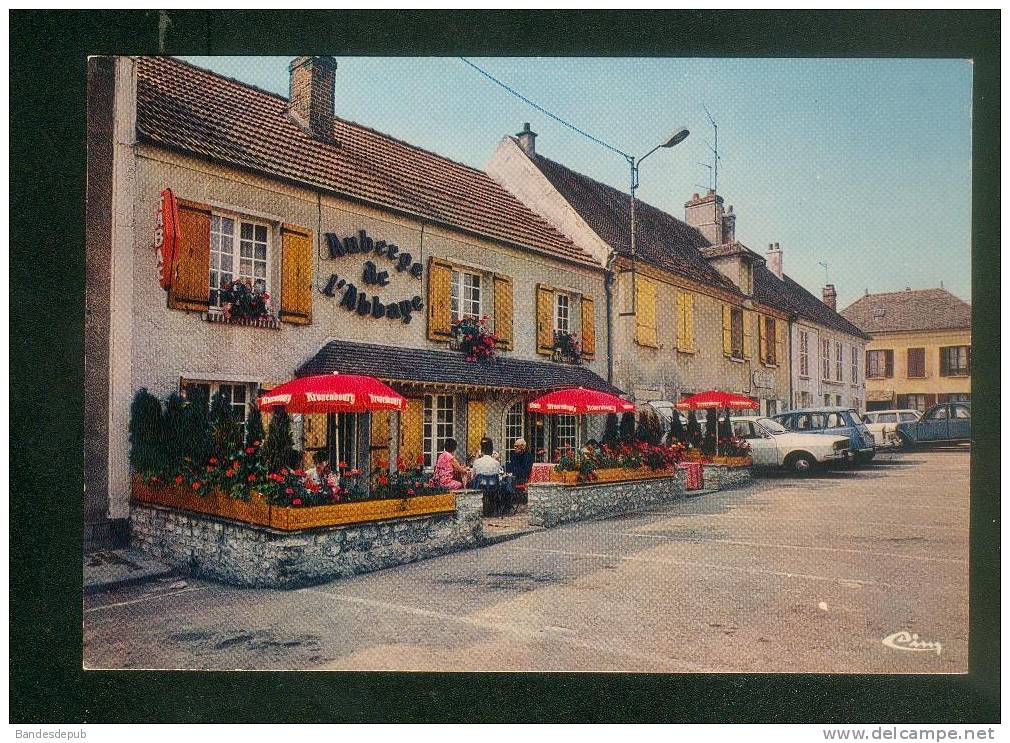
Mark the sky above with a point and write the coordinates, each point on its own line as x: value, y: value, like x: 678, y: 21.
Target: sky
x: 862, y: 164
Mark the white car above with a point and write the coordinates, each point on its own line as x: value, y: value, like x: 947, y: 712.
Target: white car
x: 771, y: 445
x: 883, y: 424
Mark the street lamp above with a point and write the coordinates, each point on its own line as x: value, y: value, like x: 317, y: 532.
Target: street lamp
x: 676, y: 138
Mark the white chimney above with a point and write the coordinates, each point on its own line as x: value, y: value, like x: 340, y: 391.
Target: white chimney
x: 774, y: 259
x: 528, y: 140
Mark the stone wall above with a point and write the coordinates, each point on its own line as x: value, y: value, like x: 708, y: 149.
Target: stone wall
x: 551, y: 504
x: 721, y: 477
x: 247, y: 555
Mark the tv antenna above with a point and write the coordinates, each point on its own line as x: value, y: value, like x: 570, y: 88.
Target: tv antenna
x: 824, y: 265
x: 714, y: 148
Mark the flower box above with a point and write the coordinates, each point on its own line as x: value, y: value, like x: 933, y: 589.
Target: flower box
x: 693, y: 455
x: 258, y: 511
x: 610, y: 474
x: 732, y: 461
x: 254, y: 322
x: 567, y: 477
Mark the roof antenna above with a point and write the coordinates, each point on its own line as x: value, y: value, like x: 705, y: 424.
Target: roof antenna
x: 824, y: 265
x: 714, y: 167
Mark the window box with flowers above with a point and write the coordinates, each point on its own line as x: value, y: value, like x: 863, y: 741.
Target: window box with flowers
x: 733, y: 452
x: 242, y: 303
x: 631, y: 460
x: 567, y: 348
x: 473, y: 338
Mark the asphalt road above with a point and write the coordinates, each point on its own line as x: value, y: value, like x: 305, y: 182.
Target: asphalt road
x: 789, y: 575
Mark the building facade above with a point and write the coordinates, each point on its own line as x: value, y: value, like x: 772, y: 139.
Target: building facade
x: 920, y: 352
x: 683, y: 309
x: 369, y: 250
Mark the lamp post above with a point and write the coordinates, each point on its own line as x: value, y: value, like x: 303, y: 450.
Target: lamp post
x: 672, y: 141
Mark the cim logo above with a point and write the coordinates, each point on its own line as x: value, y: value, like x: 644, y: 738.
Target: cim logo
x: 910, y: 641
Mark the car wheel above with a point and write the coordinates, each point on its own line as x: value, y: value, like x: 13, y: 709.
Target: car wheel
x: 801, y: 463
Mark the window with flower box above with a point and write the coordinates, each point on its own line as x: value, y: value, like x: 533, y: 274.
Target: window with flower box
x: 465, y: 295
x: 239, y: 250
x: 565, y: 432
x: 562, y: 313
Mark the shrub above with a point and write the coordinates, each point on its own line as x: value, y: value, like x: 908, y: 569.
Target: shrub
x: 196, y: 443
x: 677, y: 434
x: 279, y: 451
x: 146, y: 433
x: 225, y: 428
x: 611, y: 431
x: 627, y: 426
x: 254, y: 433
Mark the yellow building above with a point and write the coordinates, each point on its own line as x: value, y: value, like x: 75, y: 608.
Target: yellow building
x: 920, y: 354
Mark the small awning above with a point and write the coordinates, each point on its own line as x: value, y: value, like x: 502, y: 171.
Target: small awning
x: 879, y: 395
x: 424, y: 366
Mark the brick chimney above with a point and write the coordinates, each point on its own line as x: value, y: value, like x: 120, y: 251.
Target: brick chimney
x: 528, y: 140
x: 729, y: 226
x: 830, y: 297
x: 705, y: 214
x: 774, y: 259
x: 310, y: 102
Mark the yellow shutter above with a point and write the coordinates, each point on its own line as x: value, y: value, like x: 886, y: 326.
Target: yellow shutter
x: 727, y: 330
x: 380, y: 438
x: 412, y: 431
x: 679, y: 339
x: 762, y: 339
x: 439, y: 299
x: 780, y: 342
x: 296, y: 274
x: 645, y: 312
x: 545, y: 320
x: 190, y: 288
x: 689, y: 322
x: 476, y: 425
x: 503, y: 310
x: 588, y: 327
x: 748, y: 334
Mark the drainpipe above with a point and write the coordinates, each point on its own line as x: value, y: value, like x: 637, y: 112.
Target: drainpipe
x: 608, y: 286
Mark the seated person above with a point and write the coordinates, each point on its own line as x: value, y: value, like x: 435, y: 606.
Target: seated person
x: 321, y: 475
x: 486, y: 464
x: 449, y: 473
x: 522, y: 464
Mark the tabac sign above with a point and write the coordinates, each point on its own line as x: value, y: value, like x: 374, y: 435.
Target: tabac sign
x: 166, y: 235
x: 355, y: 298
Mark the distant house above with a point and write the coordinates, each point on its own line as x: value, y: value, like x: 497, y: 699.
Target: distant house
x: 827, y: 349
x: 921, y: 348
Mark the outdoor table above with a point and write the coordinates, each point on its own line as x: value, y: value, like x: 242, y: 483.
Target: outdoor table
x: 695, y: 475
x: 541, y: 472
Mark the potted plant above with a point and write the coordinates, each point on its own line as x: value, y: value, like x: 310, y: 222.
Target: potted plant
x: 567, y: 347
x: 473, y: 337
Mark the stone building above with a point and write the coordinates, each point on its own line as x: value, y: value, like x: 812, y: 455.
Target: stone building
x: 370, y: 249
x: 684, y: 309
x: 826, y: 349
x: 920, y: 352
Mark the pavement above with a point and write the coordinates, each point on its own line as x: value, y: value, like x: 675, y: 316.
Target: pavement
x: 114, y: 568
x: 787, y: 575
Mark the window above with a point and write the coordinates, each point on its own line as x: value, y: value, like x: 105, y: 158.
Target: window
x: 744, y: 430
x: 854, y: 371
x: 909, y: 417
x: 251, y: 262
x: 838, y: 399
x: 514, y: 419
x: 769, y: 340
x: 237, y: 395
x: 959, y: 397
x: 736, y: 328
x: 439, y: 423
x: 940, y: 414
x: 955, y: 361
x: 346, y: 435
x: 916, y: 366
x: 826, y: 361
x: 466, y: 295
x: 804, y: 354
x: 838, y: 362
x: 887, y: 418
x: 960, y: 411
x: 827, y: 399
x: 913, y: 402
x: 562, y: 313
x: 880, y: 364
x: 565, y: 432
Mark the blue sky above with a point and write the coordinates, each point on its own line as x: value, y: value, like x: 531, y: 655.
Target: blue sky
x: 862, y: 164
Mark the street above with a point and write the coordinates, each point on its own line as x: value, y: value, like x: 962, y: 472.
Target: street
x: 787, y: 575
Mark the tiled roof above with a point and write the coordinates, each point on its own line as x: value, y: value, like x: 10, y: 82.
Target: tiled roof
x: 787, y: 295
x: 392, y: 364
x: 660, y: 239
x: 922, y: 309
x: 196, y: 111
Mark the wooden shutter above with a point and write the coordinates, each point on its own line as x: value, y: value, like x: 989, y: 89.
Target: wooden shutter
x: 380, y: 436
x: 296, y: 274
x: 727, y: 330
x: 476, y: 425
x: 439, y: 299
x: 888, y: 364
x: 780, y: 342
x: 190, y: 288
x: 545, y: 320
x: 762, y: 339
x: 681, y: 329
x: 503, y: 310
x: 689, y: 322
x: 645, y: 312
x: 412, y: 431
x: 588, y: 327
x: 748, y: 335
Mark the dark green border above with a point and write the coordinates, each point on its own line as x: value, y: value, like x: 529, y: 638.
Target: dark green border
x: 47, y: 300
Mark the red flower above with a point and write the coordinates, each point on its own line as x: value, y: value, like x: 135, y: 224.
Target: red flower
x: 213, y: 460
x: 410, y: 492
x: 196, y: 485
x: 251, y: 478
x: 296, y: 502
x: 249, y: 450
x: 290, y: 491
x: 178, y: 479
x: 285, y: 471
x: 209, y: 468
x: 420, y: 459
x: 230, y: 473
x: 383, y: 480
x: 300, y: 473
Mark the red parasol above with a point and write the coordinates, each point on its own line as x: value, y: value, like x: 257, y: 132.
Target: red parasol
x: 333, y: 393
x: 717, y: 399
x: 579, y: 401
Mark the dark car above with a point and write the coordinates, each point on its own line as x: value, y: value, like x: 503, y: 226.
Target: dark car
x: 948, y: 422
x: 835, y: 421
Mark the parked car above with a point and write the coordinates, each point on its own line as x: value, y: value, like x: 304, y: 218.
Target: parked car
x: 836, y: 421
x: 771, y: 445
x: 883, y: 424
x: 946, y: 422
